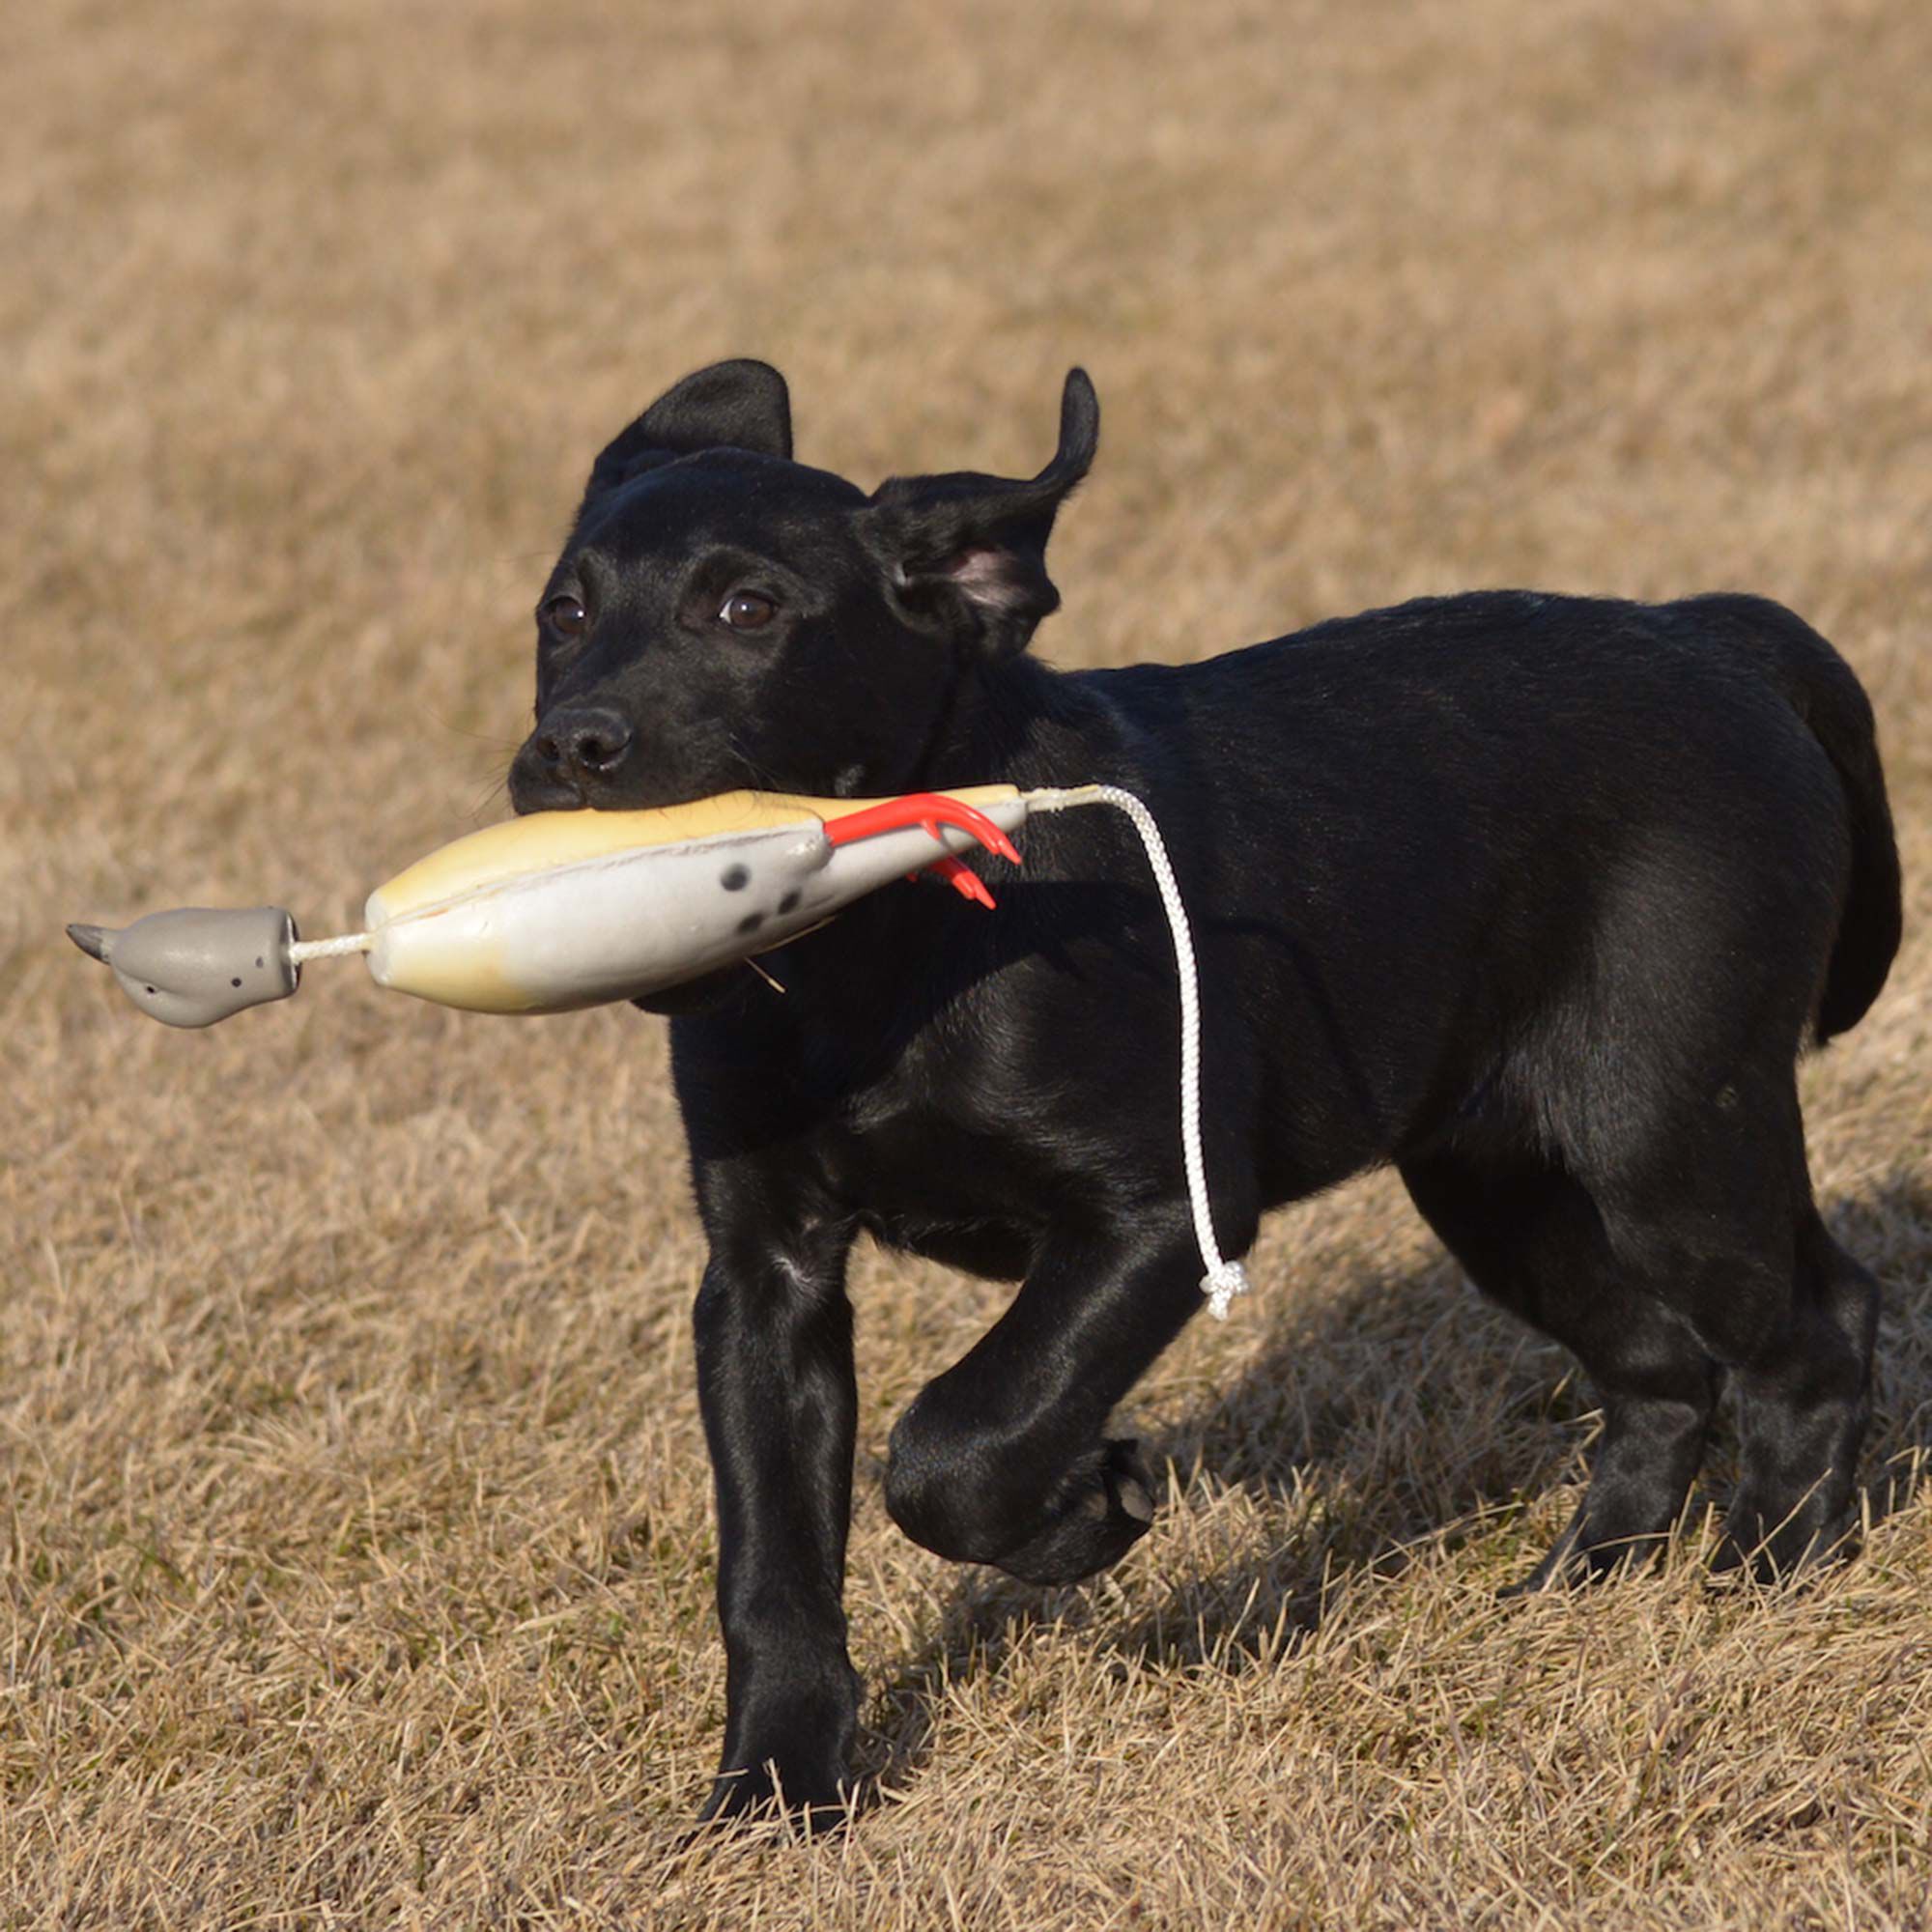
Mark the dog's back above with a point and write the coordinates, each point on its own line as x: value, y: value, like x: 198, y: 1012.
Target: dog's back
x: 1421, y: 838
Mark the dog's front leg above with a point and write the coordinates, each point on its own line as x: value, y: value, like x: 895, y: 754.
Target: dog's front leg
x: 999, y: 1459
x: 774, y: 1335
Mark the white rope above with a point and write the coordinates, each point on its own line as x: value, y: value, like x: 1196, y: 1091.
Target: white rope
x: 304, y: 949
x: 1224, y: 1279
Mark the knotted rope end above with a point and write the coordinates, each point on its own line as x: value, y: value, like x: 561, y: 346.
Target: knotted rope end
x: 1221, y: 1284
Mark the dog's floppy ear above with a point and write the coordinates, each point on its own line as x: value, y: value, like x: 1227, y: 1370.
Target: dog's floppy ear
x: 970, y: 548
x: 741, y: 404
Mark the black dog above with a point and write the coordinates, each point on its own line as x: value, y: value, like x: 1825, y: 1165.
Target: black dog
x: 1538, y: 897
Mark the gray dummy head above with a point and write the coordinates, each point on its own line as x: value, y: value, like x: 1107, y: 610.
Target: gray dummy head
x: 193, y: 967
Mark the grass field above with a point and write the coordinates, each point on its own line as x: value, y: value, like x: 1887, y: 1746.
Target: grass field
x: 357, y: 1545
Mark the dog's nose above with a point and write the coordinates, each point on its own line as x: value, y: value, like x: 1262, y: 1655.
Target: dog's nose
x: 584, y: 744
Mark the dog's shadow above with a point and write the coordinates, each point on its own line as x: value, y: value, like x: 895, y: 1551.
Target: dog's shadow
x: 1399, y: 1414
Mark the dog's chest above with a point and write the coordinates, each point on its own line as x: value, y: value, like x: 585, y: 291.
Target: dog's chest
x: 944, y: 1167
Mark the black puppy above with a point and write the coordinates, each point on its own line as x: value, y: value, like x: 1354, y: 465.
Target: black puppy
x: 1538, y: 897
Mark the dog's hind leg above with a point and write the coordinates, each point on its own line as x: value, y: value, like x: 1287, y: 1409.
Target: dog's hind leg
x: 1531, y: 1237
x: 1804, y: 1401
x: 1715, y: 1213
x: 1000, y: 1459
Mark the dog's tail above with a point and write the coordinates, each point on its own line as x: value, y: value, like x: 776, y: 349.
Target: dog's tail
x: 1823, y: 689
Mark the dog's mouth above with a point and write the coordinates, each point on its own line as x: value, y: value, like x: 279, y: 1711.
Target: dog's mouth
x: 591, y: 762
x: 527, y: 799
x: 537, y: 784
x: 527, y: 796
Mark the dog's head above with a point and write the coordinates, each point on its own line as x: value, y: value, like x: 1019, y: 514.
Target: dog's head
x: 722, y: 616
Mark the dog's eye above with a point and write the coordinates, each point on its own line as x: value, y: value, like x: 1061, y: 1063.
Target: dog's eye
x: 566, y: 616
x: 747, y: 611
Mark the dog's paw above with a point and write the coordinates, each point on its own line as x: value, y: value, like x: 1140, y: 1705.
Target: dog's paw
x: 1107, y: 1507
x: 787, y: 1751
x: 1774, y: 1548
x: 1576, y: 1562
x: 811, y: 1802
x: 798, y: 1780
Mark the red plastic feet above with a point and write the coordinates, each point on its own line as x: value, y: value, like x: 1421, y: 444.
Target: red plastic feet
x: 931, y: 809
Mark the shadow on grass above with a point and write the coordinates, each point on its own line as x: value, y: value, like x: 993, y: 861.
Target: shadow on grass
x: 1400, y: 1416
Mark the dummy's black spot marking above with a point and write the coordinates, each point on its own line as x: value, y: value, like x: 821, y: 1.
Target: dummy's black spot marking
x: 735, y: 878
x: 260, y: 961
x: 751, y: 922
x: 235, y: 982
x: 790, y: 903
x: 150, y: 989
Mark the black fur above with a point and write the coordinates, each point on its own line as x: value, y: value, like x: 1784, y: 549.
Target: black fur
x: 1537, y: 897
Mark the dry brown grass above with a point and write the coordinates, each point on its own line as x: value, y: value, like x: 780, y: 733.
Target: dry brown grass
x: 357, y: 1540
